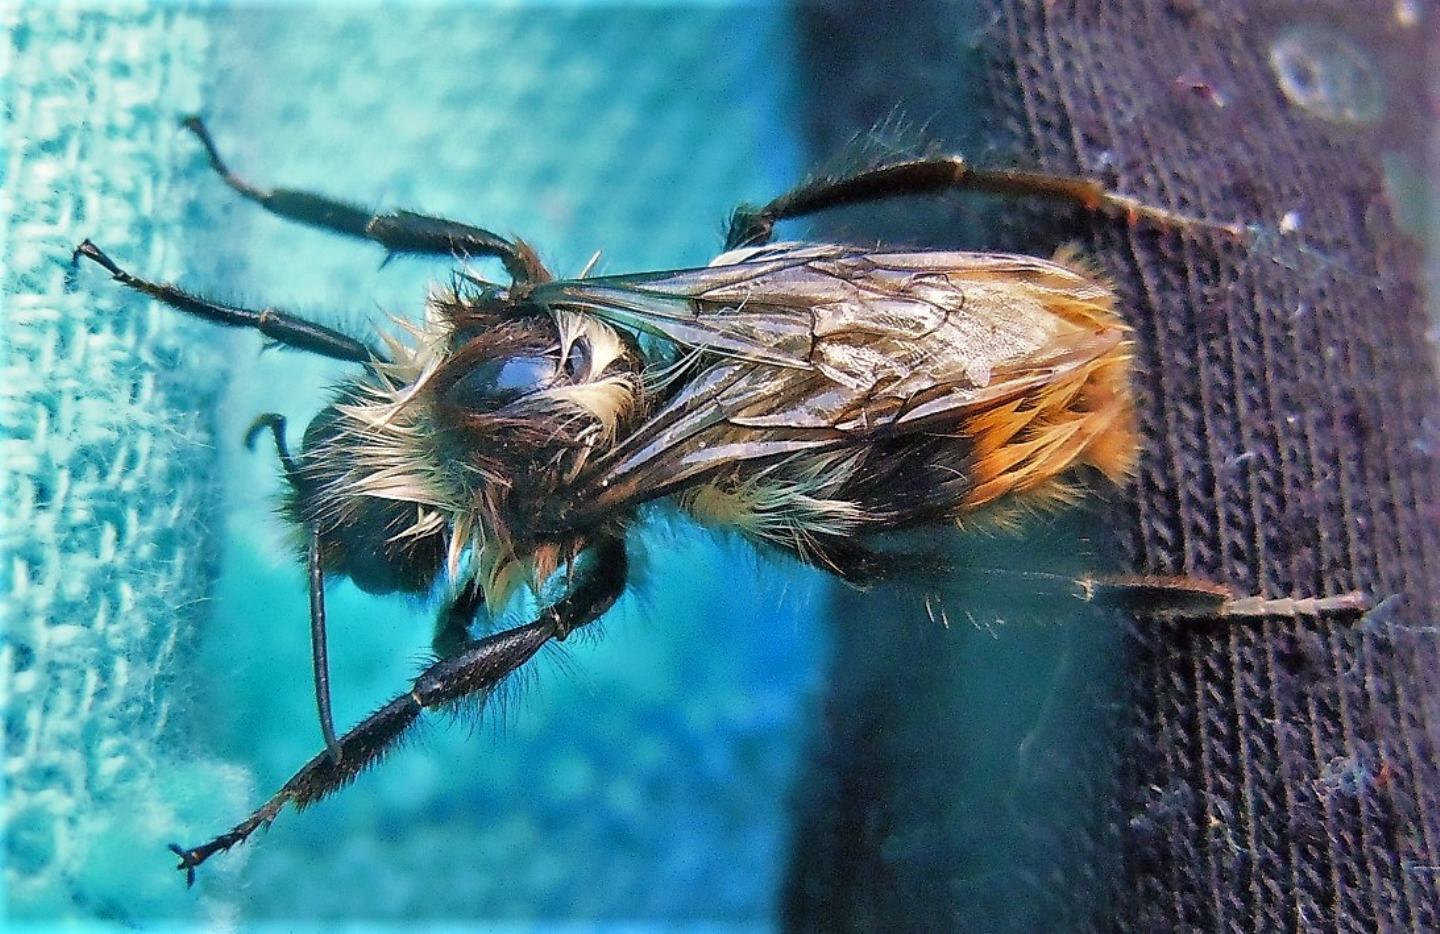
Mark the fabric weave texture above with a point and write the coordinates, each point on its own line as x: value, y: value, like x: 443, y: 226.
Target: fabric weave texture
x: 1268, y: 776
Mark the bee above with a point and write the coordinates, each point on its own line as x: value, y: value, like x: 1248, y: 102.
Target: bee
x: 816, y: 397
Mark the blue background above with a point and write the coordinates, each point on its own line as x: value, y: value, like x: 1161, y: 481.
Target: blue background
x: 644, y: 774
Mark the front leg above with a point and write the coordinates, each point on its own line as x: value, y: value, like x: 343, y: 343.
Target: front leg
x: 477, y: 668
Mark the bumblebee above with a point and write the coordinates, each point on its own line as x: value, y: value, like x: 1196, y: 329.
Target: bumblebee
x: 816, y: 397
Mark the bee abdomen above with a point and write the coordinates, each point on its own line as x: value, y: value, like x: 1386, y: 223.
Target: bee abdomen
x: 1024, y: 446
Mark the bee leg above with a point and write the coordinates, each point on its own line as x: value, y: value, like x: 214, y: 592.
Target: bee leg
x: 396, y: 231
x: 753, y: 226
x: 279, y: 326
x: 319, y: 652
x: 1192, y: 598
x: 274, y: 422
x: 452, y: 626
x: 863, y: 567
x: 477, y: 668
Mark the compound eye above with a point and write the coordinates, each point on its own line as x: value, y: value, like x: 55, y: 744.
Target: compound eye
x: 496, y: 382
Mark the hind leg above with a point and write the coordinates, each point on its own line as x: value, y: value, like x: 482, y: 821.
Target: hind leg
x: 754, y: 226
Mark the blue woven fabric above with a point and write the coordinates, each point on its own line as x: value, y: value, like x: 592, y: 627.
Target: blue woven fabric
x: 107, y: 471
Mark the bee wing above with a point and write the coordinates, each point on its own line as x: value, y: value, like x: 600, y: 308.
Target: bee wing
x: 816, y: 347
x: 803, y: 306
x: 754, y: 309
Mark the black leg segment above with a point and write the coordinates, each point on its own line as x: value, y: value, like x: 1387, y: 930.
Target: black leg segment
x: 1192, y: 598
x: 476, y: 669
x: 452, y: 625
x: 274, y: 422
x: 396, y: 231
x: 281, y: 327
x: 753, y: 226
x: 319, y: 647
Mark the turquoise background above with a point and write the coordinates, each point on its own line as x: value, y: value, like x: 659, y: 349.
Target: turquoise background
x: 644, y: 774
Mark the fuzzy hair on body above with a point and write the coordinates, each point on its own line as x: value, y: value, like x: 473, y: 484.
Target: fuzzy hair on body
x: 807, y: 395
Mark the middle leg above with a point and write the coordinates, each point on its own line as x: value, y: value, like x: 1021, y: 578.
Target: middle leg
x: 283, y: 328
x: 452, y: 626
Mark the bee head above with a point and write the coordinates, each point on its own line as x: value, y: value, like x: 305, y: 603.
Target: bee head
x: 382, y: 544
x: 444, y: 451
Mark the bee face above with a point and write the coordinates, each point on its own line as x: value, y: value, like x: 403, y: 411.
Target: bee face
x: 499, y: 381
x: 518, y: 409
x: 363, y: 537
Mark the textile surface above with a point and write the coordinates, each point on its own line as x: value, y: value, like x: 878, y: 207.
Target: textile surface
x: 1201, y: 776
x: 107, y: 466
